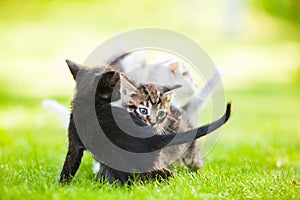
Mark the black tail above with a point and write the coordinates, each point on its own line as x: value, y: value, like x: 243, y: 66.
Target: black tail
x: 201, y: 131
x: 148, y: 140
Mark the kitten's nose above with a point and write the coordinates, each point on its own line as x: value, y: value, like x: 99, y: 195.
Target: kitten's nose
x: 152, y: 123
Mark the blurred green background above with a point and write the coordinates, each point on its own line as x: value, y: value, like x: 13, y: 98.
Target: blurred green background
x: 258, y: 40
x: 257, y: 44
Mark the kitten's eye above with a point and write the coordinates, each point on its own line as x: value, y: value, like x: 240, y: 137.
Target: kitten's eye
x: 161, y: 113
x: 143, y: 111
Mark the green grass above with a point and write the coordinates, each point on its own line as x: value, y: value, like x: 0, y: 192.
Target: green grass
x: 257, y: 155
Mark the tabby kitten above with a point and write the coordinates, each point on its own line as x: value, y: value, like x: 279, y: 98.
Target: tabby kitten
x: 148, y: 101
x: 152, y: 104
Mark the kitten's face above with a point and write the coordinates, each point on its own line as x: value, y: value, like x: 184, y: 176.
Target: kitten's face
x: 150, y: 102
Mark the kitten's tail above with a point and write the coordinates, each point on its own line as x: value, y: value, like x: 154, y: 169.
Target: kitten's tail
x: 184, y: 137
x: 59, y: 109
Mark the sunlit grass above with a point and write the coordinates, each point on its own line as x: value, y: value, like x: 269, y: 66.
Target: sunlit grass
x: 256, y: 157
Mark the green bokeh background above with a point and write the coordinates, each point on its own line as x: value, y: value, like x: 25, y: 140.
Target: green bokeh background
x: 257, y: 44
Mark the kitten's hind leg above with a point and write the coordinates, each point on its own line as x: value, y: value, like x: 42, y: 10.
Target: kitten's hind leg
x: 192, y: 157
x: 74, y: 155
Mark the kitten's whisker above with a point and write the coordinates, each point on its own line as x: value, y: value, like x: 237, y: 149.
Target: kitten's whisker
x: 170, y: 130
x: 172, y: 118
x: 163, y: 131
x: 160, y: 130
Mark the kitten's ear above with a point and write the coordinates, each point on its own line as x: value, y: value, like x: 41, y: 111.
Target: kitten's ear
x: 170, y: 89
x: 111, y: 78
x: 74, y: 67
x: 168, y: 92
x: 174, y: 67
x: 109, y: 74
x: 127, y: 87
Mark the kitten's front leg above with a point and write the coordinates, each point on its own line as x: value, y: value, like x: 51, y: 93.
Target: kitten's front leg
x: 74, y: 155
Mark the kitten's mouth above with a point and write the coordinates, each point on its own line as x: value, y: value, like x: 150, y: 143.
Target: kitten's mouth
x: 152, y: 124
